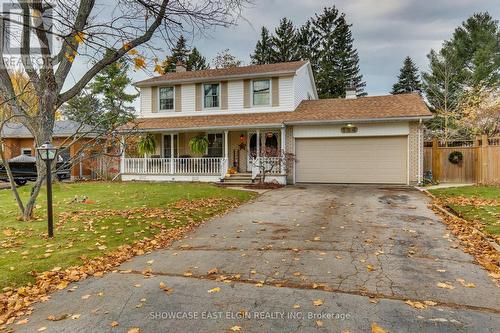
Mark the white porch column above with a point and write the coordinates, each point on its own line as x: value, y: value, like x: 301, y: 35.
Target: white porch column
x: 172, y: 160
x: 226, y: 145
x: 122, y: 157
x: 257, y: 145
x: 283, y: 148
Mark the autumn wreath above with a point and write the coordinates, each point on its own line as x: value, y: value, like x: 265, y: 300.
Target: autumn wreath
x: 456, y: 157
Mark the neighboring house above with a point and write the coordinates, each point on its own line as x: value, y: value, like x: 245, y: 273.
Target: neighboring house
x: 353, y: 140
x: 17, y: 140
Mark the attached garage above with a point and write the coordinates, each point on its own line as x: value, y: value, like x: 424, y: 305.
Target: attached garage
x: 352, y: 160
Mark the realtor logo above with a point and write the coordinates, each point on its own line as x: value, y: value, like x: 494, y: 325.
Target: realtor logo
x: 14, y: 19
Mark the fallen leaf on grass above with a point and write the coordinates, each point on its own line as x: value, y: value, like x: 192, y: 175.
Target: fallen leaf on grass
x: 377, y: 329
x: 214, y: 290
x: 445, y: 285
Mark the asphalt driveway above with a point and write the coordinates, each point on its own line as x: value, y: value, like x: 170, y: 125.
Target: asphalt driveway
x: 298, y: 259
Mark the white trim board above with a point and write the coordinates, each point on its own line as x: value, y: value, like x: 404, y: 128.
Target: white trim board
x: 364, y: 129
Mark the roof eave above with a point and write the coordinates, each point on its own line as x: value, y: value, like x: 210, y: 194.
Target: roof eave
x: 147, y: 83
x: 358, y: 120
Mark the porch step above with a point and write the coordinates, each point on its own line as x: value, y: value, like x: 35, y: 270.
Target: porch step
x: 238, y: 178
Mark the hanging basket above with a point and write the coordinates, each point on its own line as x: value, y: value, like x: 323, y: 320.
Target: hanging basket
x: 456, y: 157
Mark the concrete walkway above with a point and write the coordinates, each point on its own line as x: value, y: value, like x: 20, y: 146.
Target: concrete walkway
x: 298, y: 259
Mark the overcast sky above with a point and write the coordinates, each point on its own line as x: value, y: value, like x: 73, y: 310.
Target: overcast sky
x: 384, y: 31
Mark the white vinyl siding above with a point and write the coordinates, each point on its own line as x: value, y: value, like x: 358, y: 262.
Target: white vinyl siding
x: 303, y: 87
x: 146, y: 100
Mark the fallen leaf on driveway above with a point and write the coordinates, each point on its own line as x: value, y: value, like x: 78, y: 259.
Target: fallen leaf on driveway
x: 41, y: 329
x: 370, y: 268
x: 235, y: 328
x: 150, y: 262
x: 134, y: 330
x: 377, y: 329
x: 466, y: 284
x: 188, y: 274
x: 259, y: 284
x: 85, y: 296
x: 76, y: 316
x: 445, y: 285
x: 318, y: 302
x: 296, y: 306
x: 22, y: 321
x: 319, y: 323
x: 213, y: 271
x: 430, y: 303
x: 214, y: 290
x: 54, y: 318
x: 415, y: 304
x: 114, y: 324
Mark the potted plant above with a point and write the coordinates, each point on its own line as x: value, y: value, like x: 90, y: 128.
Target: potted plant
x: 147, y: 145
x: 199, y: 144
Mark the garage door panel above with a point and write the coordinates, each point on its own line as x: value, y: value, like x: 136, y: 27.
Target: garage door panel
x: 352, y: 160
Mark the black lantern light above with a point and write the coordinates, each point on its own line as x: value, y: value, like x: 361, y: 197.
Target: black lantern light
x: 48, y: 152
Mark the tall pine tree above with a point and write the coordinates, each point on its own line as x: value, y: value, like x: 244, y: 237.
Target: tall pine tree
x: 195, y: 61
x: 337, y: 60
x: 408, y: 78
x: 284, y: 41
x: 263, y: 53
x: 179, y: 53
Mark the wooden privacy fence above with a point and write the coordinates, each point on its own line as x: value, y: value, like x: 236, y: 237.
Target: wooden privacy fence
x: 480, y: 160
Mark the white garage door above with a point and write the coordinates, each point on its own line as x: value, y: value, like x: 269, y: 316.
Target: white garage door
x: 352, y: 160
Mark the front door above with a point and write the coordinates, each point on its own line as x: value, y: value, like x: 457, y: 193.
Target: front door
x: 170, y: 145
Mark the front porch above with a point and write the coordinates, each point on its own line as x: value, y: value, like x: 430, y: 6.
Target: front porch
x: 229, y: 152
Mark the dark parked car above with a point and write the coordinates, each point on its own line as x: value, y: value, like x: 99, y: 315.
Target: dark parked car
x: 23, y: 169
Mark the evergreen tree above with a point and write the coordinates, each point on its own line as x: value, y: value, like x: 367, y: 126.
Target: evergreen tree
x: 179, y: 53
x: 104, y: 103
x: 284, y: 42
x: 408, y: 78
x: 475, y: 46
x: 336, y: 60
x: 196, y: 62
x: 263, y: 53
x: 306, y: 43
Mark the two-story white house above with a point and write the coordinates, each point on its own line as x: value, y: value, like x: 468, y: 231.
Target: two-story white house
x: 243, y: 109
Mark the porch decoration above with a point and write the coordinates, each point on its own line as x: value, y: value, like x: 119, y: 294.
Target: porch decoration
x: 147, y: 145
x: 243, y: 142
x: 455, y: 157
x: 199, y: 144
x: 231, y: 171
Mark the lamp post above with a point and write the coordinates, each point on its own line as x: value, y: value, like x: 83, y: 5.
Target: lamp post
x: 47, y: 152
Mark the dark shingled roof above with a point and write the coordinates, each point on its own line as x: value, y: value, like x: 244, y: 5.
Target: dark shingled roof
x: 225, y: 73
x: 322, y: 110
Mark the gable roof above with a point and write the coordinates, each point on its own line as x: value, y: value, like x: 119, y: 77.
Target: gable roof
x: 62, y: 128
x: 377, y: 108
x: 282, y: 68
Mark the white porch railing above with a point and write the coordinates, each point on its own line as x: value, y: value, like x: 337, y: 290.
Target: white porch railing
x: 175, y: 166
x: 271, y: 165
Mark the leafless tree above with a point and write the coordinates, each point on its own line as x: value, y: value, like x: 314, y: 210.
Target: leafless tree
x: 271, y: 161
x: 52, y: 36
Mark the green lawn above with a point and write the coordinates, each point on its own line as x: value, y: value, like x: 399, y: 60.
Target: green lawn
x: 25, y: 247
x: 489, y: 214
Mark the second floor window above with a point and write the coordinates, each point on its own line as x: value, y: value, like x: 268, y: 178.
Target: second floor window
x: 261, y: 94
x: 166, y: 98
x: 211, y: 95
